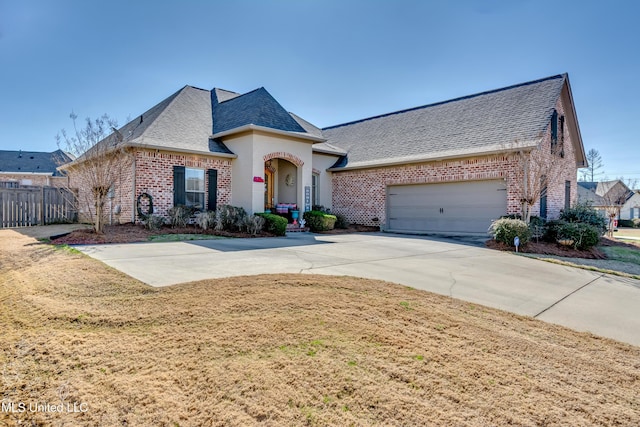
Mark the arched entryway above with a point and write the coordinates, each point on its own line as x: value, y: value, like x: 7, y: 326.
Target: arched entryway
x: 281, y: 178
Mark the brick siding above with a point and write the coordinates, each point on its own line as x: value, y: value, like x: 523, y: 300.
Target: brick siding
x: 154, y: 175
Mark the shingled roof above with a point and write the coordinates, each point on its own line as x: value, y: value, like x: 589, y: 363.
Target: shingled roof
x: 257, y: 108
x: 32, y: 161
x: 475, y: 124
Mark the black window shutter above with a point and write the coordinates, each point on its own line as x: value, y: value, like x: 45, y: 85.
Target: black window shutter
x: 212, y: 190
x: 554, y: 127
x: 179, y: 190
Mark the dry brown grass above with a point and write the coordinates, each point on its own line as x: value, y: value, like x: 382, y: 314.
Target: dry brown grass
x: 288, y: 350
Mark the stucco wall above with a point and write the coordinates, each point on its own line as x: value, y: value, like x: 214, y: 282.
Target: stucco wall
x: 322, y: 162
x: 253, y: 150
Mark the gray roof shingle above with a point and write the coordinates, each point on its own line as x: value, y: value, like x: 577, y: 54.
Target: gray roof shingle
x: 258, y: 108
x: 181, y: 122
x: 32, y: 161
x: 469, y: 125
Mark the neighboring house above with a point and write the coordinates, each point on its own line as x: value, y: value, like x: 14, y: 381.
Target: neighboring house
x: 445, y: 167
x: 612, y: 197
x: 32, y: 168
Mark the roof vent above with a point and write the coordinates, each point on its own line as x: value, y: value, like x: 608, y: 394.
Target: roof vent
x: 31, y: 157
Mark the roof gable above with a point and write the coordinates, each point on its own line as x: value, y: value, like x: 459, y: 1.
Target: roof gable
x: 473, y: 124
x: 32, y: 161
x: 257, y: 107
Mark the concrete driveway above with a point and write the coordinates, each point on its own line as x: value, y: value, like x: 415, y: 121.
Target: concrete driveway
x: 582, y: 300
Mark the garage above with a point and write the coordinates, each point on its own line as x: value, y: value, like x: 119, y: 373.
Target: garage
x: 453, y: 207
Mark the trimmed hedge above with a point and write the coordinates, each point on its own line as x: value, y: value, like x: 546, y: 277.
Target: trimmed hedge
x: 505, y: 230
x: 584, y: 235
x: 586, y: 214
x: 631, y: 223
x: 274, y: 224
x: 319, y: 221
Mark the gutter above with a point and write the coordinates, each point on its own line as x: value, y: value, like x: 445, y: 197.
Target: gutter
x: 404, y: 161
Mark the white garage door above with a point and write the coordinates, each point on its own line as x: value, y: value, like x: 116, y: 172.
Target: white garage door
x: 458, y: 207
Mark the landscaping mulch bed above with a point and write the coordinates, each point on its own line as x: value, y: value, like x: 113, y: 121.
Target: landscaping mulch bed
x: 131, y: 233
x: 546, y: 248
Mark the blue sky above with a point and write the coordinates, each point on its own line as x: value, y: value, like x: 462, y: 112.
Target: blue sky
x: 328, y: 61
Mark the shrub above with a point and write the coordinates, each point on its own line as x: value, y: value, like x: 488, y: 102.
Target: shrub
x: 206, y: 220
x: 584, y: 235
x: 153, y: 222
x: 636, y: 222
x: 341, y: 221
x: 505, y: 230
x: 537, y: 226
x: 626, y: 223
x: 586, y: 214
x: 319, y: 221
x: 274, y: 224
x: 253, y: 224
x: 229, y: 218
x: 179, y: 216
x: 551, y: 231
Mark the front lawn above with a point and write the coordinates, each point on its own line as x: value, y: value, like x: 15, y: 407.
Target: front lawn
x: 287, y: 350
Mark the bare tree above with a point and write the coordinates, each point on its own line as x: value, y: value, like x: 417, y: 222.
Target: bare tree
x: 99, y: 151
x: 595, y: 164
x: 537, y: 169
x: 613, y: 200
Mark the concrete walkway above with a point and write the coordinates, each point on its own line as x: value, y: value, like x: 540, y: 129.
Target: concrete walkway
x: 580, y: 299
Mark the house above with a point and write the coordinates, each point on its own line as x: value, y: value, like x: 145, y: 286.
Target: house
x: 32, y: 168
x: 611, y: 198
x: 453, y: 166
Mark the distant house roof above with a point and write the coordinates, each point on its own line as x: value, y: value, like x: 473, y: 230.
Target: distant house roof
x: 32, y: 161
x: 481, y: 123
x: 604, y: 193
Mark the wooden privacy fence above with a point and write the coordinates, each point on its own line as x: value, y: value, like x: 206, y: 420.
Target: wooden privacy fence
x: 24, y: 207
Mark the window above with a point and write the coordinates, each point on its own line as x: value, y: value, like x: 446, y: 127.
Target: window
x: 567, y: 194
x: 315, y: 189
x: 194, y: 190
x: 554, y: 131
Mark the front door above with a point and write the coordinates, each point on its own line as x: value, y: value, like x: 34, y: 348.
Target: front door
x: 268, y: 189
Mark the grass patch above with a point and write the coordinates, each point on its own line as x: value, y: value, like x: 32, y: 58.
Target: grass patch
x: 183, y: 237
x: 251, y: 350
x: 621, y: 253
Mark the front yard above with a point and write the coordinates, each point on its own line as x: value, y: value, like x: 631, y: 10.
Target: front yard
x: 287, y: 350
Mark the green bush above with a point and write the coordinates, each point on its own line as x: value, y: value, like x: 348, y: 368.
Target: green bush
x: 584, y: 235
x: 586, y: 214
x: 636, y: 222
x: 341, y: 221
x: 505, y: 230
x: 551, y: 231
x: 319, y: 221
x: 179, y: 216
x: 274, y: 224
x: 627, y: 223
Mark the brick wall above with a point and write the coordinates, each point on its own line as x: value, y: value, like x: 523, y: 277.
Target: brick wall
x: 154, y: 175
x: 81, y: 183
x: 360, y: 195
